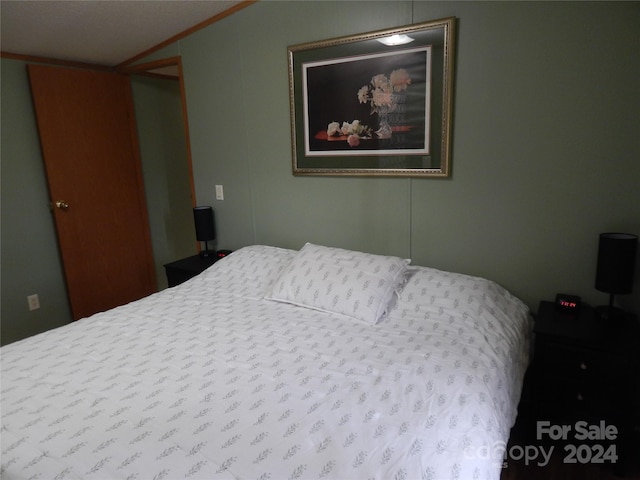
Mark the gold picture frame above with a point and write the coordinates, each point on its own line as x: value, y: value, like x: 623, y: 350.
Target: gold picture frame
x: 377, y: 103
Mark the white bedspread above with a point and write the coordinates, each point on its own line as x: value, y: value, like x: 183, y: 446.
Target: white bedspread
x: 208, y: 380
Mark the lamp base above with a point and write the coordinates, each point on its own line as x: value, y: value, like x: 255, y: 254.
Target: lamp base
x: 206, y: 253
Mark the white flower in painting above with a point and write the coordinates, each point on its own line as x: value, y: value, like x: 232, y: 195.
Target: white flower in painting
x: 354, y: 131
x: 333, y: 129
x: 363, y: 94
x: 399, y: 79
x: 381, y: 82
x: 382, y: 93
x: 382, y: 98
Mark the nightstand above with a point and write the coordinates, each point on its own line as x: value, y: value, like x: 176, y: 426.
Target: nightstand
x: 182, y: 270
x: 585, y: 369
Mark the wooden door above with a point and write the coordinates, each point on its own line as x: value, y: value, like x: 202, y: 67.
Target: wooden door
x: 88, y: 140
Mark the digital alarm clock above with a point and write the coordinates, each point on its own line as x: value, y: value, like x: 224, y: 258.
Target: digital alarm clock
x: 223, y: 253
x: 567, y: 303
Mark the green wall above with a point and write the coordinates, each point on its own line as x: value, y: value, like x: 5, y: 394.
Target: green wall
x: 29, y: 255
x: 545, y: 148
x: 545, y: 141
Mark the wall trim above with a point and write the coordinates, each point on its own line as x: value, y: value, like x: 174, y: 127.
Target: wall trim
x: 188, y: 32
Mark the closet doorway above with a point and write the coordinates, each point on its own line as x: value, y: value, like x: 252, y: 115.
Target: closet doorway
x: 159, y: 100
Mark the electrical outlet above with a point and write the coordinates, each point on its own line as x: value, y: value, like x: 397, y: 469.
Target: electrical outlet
x: 219, y: 192
x: 33, y: 301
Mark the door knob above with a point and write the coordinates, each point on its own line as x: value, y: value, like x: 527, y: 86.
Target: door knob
x: 62, y: 205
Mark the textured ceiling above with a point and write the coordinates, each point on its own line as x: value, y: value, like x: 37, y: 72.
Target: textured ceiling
x: 104, y: 32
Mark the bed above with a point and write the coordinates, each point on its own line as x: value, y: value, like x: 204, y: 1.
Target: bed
x: 275, y: 364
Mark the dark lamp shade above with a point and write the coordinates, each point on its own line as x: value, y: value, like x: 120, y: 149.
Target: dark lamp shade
x: 205, y: 227
x: 616, y: 262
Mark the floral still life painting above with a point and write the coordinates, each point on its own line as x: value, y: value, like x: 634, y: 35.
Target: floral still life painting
x: 369, y: 104
x: 375, y: 103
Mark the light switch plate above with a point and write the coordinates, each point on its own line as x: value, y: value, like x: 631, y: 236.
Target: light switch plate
x: 34, y: 302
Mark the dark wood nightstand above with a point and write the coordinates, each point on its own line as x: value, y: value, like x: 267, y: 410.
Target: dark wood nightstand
x: 585, y: 369
x: 182, y: 270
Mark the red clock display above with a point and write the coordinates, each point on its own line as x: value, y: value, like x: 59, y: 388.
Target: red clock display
x: 567, y: 302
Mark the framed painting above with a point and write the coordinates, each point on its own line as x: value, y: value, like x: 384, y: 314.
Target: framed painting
x: 377, y: 103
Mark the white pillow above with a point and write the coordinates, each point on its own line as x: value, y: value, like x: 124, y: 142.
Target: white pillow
x: 355, y: 284
x: 248, y: 272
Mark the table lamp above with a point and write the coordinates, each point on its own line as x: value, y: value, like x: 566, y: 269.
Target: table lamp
x: 205, y: 228
x: 615, y: 270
